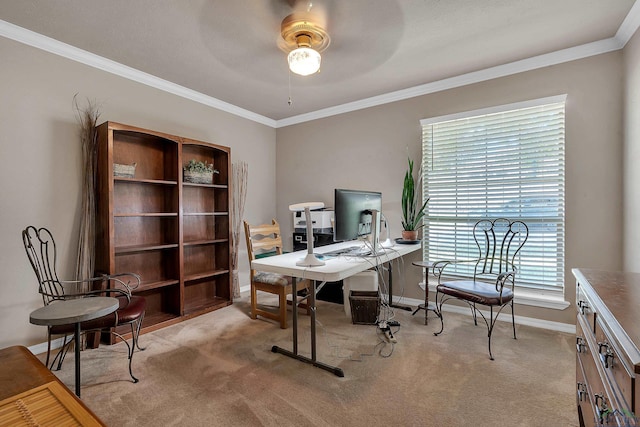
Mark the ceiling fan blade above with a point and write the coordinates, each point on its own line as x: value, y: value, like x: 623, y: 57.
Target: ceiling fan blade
x: 281, y: 8
x: 318, y: 9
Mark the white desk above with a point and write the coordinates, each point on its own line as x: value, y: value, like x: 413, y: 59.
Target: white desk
x: 74, y: 311
x: 335, y: 269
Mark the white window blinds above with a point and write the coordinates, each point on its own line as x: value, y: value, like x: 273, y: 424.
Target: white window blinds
x: 505, y: 162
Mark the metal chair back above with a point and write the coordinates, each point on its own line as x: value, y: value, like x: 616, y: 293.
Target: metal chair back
x: 41, y: 251
x: 499, y: 241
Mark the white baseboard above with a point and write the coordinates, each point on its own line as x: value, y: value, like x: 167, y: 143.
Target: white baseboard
x: 42, y: 347
x: 520, y: 320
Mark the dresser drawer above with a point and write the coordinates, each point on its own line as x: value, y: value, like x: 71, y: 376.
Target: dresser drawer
x: 615, y: 364
x: 586, y: 410
x: 599, y: 395
x: 586, y: 415
x: 585, y: 308
x: 599, y: 399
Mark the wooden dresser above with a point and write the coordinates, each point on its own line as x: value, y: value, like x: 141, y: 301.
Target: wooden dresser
x: 31, y: 395
x: 607, y: 342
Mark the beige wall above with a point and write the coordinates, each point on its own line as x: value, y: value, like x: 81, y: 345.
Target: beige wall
x: 632, y: 155
x: 41, y: 170
x: 367, y: 150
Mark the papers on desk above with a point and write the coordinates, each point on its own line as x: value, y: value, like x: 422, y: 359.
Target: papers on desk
x: 342, y: 251
x: 354, y: 251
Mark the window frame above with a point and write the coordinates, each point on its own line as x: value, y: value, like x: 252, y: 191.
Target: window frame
x: 529, y: 294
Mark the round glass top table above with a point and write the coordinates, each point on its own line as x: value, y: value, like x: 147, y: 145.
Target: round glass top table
x: 74, y: 311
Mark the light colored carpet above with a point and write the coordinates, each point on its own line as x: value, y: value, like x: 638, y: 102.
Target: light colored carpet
x: 218, y: 369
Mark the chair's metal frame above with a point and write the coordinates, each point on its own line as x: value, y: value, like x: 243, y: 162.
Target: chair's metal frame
x: 41, y: 251
x: 496, y: 261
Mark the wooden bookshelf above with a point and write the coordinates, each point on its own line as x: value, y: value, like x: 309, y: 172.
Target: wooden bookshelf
x: 174, y: 234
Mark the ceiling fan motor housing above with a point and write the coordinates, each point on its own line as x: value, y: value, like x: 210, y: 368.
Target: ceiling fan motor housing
x: 301, y: 30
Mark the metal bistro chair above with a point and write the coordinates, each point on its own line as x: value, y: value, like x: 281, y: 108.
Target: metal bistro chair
x: 499, y: 241
x: 41, y: 251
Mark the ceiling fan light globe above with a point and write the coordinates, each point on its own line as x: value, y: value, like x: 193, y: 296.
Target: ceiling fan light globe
x: 304, y: 61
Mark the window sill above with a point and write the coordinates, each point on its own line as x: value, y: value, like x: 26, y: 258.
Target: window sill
x: 540, y: 299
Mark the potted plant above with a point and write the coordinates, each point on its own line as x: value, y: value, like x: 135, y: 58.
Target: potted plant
x: 198, y: 172
x: 412, y: 213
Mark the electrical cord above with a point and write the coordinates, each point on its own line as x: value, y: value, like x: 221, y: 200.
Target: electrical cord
x: 386, y: 337
x: 383, y: 343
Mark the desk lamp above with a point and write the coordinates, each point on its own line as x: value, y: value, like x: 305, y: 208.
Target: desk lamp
x: 310, y: 260
x: 387, y: 243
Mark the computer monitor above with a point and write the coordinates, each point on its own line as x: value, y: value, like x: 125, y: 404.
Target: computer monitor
x: 357, y: 215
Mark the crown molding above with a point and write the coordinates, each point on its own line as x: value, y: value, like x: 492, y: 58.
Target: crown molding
x: 65, y: 50
x: 625, y: 32
x: 630, y: 25
x: 535, y: 62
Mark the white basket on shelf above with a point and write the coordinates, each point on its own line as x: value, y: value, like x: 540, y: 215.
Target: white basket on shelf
x: 124, y: 171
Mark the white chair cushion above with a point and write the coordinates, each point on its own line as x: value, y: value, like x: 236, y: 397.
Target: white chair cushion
x: 270, y: 278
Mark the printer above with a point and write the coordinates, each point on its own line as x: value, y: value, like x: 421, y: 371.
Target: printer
x: 322, y: 226
x: 321, y: 221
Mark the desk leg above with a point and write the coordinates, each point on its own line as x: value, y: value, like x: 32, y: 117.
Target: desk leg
x: 313, y: 322
x: 294, y: 298
x: 77, y: 352
x: 391, y: 304
x: 312, y: 306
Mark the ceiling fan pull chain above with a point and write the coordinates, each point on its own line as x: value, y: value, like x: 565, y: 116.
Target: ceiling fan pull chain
x: 290, y: 101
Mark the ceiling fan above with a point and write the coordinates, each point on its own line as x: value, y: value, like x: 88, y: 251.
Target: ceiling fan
x: 303, y: 36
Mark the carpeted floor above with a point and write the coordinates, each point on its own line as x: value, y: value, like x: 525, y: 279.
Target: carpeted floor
x: 218, y: 369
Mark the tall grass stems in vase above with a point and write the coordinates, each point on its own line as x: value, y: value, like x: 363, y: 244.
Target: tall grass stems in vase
x: 240, y: 176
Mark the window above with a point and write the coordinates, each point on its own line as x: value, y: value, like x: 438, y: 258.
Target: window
x: 507, y: 162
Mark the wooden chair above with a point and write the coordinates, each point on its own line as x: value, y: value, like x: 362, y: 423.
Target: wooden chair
x: 41, y: 251
x: 499, y: 241
x: 265, y: 240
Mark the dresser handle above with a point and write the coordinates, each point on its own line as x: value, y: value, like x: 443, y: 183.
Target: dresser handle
x: 607, y: 355
x: 601, y: 406
x: 582, y: 392
x: 583, y: 306
x: 580, y: 345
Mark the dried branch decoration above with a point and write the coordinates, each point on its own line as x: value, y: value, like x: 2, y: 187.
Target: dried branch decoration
x: 87, y: 117
x: 240, y: 175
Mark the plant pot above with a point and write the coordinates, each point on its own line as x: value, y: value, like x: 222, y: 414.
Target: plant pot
x: 409, y: 234
x: 198, y: 177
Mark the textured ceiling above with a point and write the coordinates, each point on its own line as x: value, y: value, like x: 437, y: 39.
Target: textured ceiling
x: 227, y: 49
